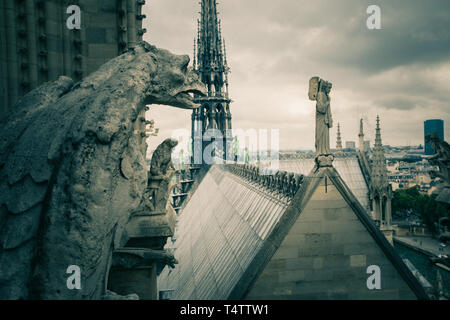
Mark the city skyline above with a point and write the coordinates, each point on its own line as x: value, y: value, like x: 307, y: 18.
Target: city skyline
x: 399, y: 72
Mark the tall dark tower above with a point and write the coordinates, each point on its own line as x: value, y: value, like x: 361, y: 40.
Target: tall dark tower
x: 210, y: 63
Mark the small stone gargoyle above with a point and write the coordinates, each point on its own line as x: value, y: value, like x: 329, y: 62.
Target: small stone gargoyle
x: 160, y: 179
x: 72, y: 171
x: 442, y: 160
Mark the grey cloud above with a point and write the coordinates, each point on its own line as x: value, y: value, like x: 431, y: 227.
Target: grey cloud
x: 413, y: 32
x: 274, y: 47
x: 398, y: 103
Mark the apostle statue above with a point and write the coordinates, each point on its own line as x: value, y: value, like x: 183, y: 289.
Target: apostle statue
x: 319, y: 91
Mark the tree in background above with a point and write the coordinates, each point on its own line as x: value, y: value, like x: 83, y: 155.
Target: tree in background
x: 424, y: 206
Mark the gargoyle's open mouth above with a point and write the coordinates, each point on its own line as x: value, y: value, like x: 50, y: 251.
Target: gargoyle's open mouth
x: 186, y: 98
x: 190, y: 94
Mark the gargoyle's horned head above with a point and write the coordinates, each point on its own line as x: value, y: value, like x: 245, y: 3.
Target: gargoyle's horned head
x: 174, y: 83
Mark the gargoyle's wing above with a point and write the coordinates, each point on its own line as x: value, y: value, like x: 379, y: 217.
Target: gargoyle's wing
x: 72, y: 171
x: 62, y: 193
x: 24, y: 177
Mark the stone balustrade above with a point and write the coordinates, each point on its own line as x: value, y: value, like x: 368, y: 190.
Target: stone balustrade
x: 276, y: 181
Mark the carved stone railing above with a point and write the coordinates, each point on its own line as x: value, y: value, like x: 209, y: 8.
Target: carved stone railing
x: 277, y: 182
x: 311, y: 155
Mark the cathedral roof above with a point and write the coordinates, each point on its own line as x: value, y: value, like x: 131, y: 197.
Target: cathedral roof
x: 219, y: 233
x: 233, y: 225
x: 347, y: 164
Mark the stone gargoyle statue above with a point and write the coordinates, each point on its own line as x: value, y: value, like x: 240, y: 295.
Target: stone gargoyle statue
x: 72, y: 171
x: 441, y: 159
x: 160, y: 180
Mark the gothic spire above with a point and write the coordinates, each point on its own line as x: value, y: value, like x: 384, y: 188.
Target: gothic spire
x: 379, y: 170
x: 225, y: 54
x: 378, y: 142
x: 361, y: 136
x: 210, y: 54
x: 339, y: 141
x: 211, y: 66
x: 195, y: 55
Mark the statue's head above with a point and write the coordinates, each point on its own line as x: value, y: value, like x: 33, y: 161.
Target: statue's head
x: 171, y: 143
x: 162, y: 157
x: 325, y: 86
x: 173, y: 82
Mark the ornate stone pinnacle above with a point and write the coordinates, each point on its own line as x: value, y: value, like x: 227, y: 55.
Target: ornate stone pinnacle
x: 339, y: 140
x: 361, y: 136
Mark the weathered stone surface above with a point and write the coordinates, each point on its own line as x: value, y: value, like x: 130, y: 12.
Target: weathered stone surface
x: 20, y: 228
x: 23, y: 195
x: 155, y: 216
x: 161, y: 175
x: 14, y: 269
x: 114, y: 296
x: 3, y: 215
x: 134, y: 257
x: 442, y: 160
x: 319, y: 91
x: 330, y: 257
x: 158, y: 225
x: 63, y: 150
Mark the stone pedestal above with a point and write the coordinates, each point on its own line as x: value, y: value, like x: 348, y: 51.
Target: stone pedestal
x: 152, y: 224
x: 388, y: 232
x: 140, y: 280
x: 324, y: 160
x: 134, y: 271
x: 135, y: 265
x: 134, y: 268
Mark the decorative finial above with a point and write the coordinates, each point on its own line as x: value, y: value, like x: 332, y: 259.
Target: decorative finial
x: 361, y: 136
x: 339, y: 140
x: 378, y: 133
x: 195, y: 56
x: 379, y: 170
x: 225, y: 53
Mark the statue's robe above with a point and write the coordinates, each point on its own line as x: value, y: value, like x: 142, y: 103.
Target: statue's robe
x: 323, y: 124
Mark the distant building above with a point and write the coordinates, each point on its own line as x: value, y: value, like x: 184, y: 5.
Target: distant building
x: 402, y: 180
x: 36, y: 45
x: 435, y: 126
x: 350, y: 145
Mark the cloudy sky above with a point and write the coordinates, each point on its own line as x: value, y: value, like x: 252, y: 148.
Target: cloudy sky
x: 401, y: 72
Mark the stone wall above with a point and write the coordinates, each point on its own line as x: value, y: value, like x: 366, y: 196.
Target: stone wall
x: 325, y: 256
x: 36, y: 46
